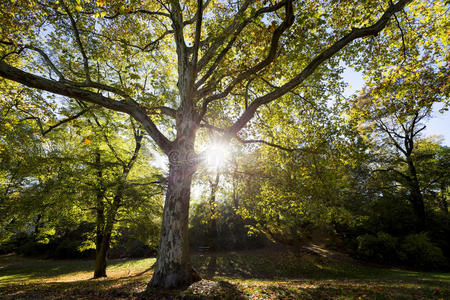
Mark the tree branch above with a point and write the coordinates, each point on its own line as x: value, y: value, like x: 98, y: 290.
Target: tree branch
x: 252, y: 141
x: 78, y: 40
x: 130, y: 107
x: 314, y: 64
x: 273, y: 48
x: 198, y: 31
x: 50, y: 128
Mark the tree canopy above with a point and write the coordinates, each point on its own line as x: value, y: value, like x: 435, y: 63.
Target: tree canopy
x: 180, y: 67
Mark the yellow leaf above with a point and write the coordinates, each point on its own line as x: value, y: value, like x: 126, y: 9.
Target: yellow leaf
x: 78, y: 8
x: 102, y: 14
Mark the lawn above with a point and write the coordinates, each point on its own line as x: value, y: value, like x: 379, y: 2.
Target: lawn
x: 264, y: 274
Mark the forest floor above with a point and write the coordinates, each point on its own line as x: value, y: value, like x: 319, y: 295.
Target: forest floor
x: 312, y: 273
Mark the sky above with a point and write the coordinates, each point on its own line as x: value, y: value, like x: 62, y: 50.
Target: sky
x: 438, y: 125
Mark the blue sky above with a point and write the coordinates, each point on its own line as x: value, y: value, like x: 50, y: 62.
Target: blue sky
x: 438, y: 125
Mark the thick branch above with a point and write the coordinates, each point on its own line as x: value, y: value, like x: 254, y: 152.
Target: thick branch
x: 273, y: 48
x: 314, y: 64
x: 138, y: 140
x: 167, y: 111
x: 198, y: 31
x: 129, y: 107
x: 219, y: 41
x: 234, y: 29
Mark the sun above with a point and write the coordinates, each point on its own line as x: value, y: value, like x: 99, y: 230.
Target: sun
x: 217, y: 156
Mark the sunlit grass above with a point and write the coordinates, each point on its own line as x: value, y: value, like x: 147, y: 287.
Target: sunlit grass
x: 67, y: 270
x: 242, y: 275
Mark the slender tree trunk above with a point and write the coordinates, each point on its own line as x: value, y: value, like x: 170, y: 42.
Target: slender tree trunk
x: 103, y: 247
x: 416, y: 194
x: 104, y: 230
x: 102, y: 251
x: 100, y: 254
x: 213, y: 229
x: 100, y: 268
x: 235, y: 182
x: 173, y: 268
x: 37, y: 226
x: 443, y: 199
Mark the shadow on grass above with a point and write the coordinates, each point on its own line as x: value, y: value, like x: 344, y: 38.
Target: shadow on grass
x: 271, y: 275
x: 83, y: 289
x: 354, y: 290
x: 314, y: 289
x: 287, y: 265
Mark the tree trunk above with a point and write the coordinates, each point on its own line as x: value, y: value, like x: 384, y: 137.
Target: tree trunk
x: 173, y: 268
x: 443, y: 199
x: 213, y: 229
x: 100, y: 256
x: 101, y: 244
x: 104, y: 230
x: 416, y: 194
x: 102, y: 252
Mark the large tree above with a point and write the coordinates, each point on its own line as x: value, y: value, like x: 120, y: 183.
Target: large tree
x: 231, y: 58
x: 395, y: 111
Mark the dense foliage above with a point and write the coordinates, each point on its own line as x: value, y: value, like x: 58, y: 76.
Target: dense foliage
x: 92, y: 91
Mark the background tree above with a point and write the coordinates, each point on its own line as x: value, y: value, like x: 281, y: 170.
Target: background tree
x: 397, y: 110
x: 79, y: 175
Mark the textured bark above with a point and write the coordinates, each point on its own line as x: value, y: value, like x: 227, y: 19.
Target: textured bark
x: 173, y: 268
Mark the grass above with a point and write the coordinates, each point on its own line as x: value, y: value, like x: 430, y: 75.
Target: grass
x: 240, y: 275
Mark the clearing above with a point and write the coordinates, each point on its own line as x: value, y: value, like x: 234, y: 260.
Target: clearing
x: 262, y: 274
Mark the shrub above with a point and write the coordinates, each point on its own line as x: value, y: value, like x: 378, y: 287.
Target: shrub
x: 417, y: 250
x: 380, y: 248
x: 129, y: 247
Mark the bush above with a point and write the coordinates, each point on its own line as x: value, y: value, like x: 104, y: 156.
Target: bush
x: 393, y: 215
x: 417, y: 250
x: 380, y: 248
x: 129, y: 247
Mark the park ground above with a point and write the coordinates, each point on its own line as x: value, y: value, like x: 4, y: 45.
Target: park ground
x: 312, y: 273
